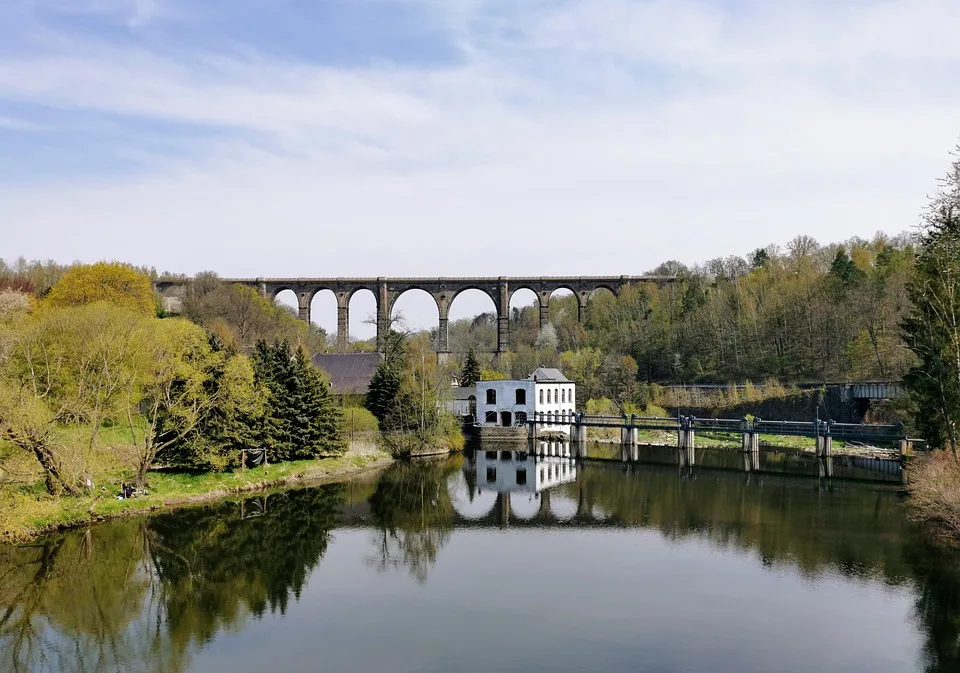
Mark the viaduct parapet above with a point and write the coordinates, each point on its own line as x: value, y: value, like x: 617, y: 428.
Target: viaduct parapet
x: 443, y: 290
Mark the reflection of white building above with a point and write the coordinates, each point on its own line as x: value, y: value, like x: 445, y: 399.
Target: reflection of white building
x: 547, y: 396
x: 510, y: 471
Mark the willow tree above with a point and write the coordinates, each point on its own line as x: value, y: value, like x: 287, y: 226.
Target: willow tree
x: 67, y: 367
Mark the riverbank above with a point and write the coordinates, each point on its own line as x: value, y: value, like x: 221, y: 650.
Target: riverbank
x: 935, y: 494
x: 26, y: 513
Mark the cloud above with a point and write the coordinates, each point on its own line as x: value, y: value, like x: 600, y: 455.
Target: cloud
x: 573, y: 137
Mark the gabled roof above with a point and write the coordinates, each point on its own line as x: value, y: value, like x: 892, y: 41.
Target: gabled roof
x: 349, y: 373
x: 549, y: 375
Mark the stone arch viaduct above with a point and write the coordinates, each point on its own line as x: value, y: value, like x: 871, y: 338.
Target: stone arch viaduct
x: 443, y: 290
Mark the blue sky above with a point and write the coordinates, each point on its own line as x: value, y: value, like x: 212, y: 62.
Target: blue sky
x: 461, y: 137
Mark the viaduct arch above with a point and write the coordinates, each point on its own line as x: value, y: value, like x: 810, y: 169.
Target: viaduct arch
x: 443, y: 290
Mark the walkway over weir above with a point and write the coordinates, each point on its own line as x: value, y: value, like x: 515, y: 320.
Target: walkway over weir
x: 443, y: 290
x: 823, y: 432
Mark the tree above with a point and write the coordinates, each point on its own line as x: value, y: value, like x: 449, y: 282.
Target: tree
x: 68, y: 366
x: 241, y: 317
x: 232, y: 424
x: 471, y: 370
x: 112, y: 282
x: 172, y: 391
x: 932, y: 327
x: 301, y: 420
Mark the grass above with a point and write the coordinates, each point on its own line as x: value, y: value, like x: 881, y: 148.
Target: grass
x: 26, y: 511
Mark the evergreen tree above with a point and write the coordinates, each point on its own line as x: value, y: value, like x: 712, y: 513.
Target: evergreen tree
x: 384, y: 389
x: 932, y: 330
x: 301, y: 420
x: 471, y: 370
x: 932, y: 327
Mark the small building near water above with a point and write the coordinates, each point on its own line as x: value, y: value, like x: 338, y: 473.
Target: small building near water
x: 547, y: 396
x: 463, y: 402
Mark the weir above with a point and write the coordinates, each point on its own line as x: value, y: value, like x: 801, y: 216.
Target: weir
x: 824, y: 433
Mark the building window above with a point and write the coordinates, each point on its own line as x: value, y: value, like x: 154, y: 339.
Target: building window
x: 491, y: 396
x: 492, y: 417
x: 563, y: 395
x: 521, y: 396
x: 491, y: 475
x: 506, y: 455
x: 521, y: 477
x: 549, y: 397
x: 541, y: 396
x: 491, y: 455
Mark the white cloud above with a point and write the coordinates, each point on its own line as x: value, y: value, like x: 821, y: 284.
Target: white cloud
x: 600, y: 137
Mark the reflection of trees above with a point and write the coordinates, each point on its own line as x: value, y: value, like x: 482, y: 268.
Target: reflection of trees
x: 937, y: 575
x: 851, y: 530
x: 81, y: 602
x: 414, y: 515
x: 138, y: 595
x: 854, y: 530
x: 218, y: 567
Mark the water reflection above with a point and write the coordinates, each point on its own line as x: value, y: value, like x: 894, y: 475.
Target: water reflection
x: 152, y: 594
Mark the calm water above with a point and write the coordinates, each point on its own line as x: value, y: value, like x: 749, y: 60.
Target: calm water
x: 481, y: 564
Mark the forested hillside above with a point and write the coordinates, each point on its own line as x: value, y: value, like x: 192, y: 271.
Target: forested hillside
x: 801, y: 313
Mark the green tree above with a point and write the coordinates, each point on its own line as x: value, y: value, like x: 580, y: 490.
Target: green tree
x: 301, y: 419
x: 232, y: 424
x: 241, y: 317
x: 471, y: 370
x: 932, y: 327
x: 172, y: 391
x: 74, y: 366
x: 112, y: 282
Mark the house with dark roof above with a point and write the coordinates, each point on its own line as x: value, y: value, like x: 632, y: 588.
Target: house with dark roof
x: 349, y: 373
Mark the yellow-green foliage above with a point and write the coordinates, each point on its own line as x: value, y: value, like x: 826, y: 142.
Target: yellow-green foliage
x: 358, y: 420
x: 112, y: 282
x: 487, y: 374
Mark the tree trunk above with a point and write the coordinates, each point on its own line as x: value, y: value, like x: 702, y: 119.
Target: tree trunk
x: 54, y: 480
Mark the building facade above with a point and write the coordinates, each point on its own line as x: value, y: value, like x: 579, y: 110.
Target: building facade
x: 547, y: 396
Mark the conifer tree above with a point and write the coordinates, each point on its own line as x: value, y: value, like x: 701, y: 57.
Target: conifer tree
x: 301, y: 420
x: 932, y: 328
x: 384, y: 389
x: 471, y: 370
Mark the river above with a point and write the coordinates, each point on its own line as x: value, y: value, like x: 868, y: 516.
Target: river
x: 482, y: 564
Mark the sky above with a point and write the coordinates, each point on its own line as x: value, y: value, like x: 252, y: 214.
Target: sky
x: 465, y: 137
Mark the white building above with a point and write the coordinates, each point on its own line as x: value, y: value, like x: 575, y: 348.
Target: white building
x: 547, y: 396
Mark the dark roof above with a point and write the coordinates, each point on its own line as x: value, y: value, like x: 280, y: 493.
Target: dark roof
x: 464, y: 392
x: 349, y: 373
x: 549, y: 374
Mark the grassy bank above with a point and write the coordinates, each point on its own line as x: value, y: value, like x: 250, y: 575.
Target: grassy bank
x: 25, y: 511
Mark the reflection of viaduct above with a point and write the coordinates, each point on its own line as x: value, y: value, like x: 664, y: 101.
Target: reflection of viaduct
x: 386, y: 291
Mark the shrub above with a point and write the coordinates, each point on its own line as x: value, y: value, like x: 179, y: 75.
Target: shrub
x: 935, y: 492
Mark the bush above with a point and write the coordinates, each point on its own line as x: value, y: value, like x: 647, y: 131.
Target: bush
x: 357, y: 420
x: 935, y: 492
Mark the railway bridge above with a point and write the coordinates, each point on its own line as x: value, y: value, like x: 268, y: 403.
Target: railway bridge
x: 386, y: 291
